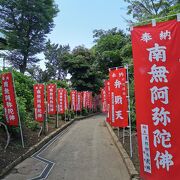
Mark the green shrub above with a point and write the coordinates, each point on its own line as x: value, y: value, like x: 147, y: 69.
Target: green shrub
x: 24, y: 93
x: 84, y: 112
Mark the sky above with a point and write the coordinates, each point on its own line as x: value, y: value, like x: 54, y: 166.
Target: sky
x: 77, y: 19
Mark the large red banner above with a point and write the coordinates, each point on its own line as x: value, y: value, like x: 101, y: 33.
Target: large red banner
x: 61, y: 103
x: 39, y: 105
x: 118, y: 97
x: 156, y: 56
x: 73, y: 96
x: 9, y: 100
x: 51, y: 98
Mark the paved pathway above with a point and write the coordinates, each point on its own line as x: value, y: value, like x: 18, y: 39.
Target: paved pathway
x: 85, y: 152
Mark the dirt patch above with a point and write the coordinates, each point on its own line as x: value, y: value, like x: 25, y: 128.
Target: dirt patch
x: 15, y: 150
x: 135, y: 158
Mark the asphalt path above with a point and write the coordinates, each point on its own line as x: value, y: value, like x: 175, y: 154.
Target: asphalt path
x: 84, y: 151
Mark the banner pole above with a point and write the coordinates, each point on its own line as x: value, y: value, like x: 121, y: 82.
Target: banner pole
x: 123, y: 134
x: 20, y: 127
x: 22, y: 139
x: 129, y: 111
x: 118, y: 132
x: 57, y: 118
x: 65, y: 115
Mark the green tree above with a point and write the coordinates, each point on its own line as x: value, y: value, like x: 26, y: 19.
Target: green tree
x: 148, y: 9
x: 55, y: 55
x: 25, y: 24
x: 84, y: 71
x: 110, y: 48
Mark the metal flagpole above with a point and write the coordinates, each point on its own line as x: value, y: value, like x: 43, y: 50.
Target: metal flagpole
x: 118, y: 131
x: 20, y: 127
x: 57, y: 118
x: 123, y: 134
x: 129, y: 111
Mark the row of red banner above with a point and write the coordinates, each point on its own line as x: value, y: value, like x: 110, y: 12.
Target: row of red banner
x: 57, y: 100
x: 114, y: 98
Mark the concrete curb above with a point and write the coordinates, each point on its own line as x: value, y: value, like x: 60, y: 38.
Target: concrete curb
x: 40, y: 144
x: 134, y: 175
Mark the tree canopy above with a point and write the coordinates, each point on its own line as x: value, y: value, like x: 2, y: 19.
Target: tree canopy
x: 25, y: 24
x: 148, y: 9
x: 110, y: 48
x: 84, y: 71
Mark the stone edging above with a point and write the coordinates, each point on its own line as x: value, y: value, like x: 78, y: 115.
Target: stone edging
x: 134, y: 175
x: 39, y: 145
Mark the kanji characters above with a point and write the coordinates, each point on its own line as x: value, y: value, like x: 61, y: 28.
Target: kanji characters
x: 118, y: 99
x: 157, y: 53
x: 160, y: 115
x: 165, y: 35
x: 158, y: 74
x: 164, y: 160
x: 117, y: 84
x: 145, y: 148
x: 119, y: 115
x: 146, y: 37
x: 39, y: 101
x: 159, y: 94
x: 9, y: 99
x: 162, y: 138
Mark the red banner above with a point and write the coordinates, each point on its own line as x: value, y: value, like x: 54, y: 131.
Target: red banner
x: 84, y: 99
x: 103, y: 100
x: 90, y: 100
x: 118, y: 97
x: 79, y: 101
x: 87, y: 99
x: 157, y: 72
x: 51, y: 98
x: 107, y: 90
x: 66, y: 99
x: 73, y: 95
x: 39, y: 105
x: 61, y: 101
x: 9, y: 100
